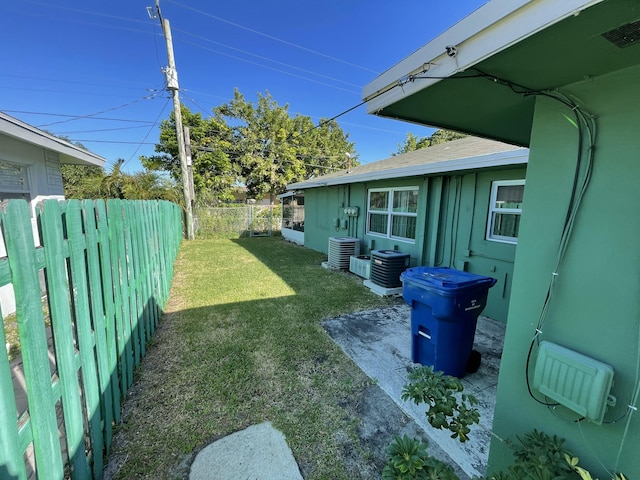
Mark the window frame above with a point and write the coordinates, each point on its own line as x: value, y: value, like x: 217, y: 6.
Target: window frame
x: 495, y: 185
x: 390, y: 213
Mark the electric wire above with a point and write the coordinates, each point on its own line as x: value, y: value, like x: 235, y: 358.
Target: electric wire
x: 65, y: 92
x: 87, y: 12
x: 28, y: 112
x: 595, y: 455
x: 68, y: 132
x: 586, y: 126
x: 271, y: 37
x: 128, y: 104
x: 268, y: 67
x: 632, y: 407
x: 148, y: 132
x: 261, y: 57
x: 72, y: 82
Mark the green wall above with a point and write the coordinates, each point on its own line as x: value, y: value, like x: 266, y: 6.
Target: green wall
x: 595, y: 308
x: 451, y: 226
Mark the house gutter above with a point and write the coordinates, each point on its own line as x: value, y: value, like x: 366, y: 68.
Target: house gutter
x: 490, y: 29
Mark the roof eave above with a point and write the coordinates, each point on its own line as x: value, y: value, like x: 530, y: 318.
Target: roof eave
x: 69, y: 153
x: 492, y: 28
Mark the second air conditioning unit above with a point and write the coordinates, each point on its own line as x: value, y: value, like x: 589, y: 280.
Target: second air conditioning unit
x: 386, y: 267
x: 340, y: 251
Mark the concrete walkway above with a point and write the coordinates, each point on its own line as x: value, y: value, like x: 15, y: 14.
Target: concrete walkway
x: 379, y: 342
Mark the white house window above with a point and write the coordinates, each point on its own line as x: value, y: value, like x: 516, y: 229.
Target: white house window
x: 505, y: 209
x: 392, y: 213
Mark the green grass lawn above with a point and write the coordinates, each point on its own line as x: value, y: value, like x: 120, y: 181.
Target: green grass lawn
x: 241, y: 342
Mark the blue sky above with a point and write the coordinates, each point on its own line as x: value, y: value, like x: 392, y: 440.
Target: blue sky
x: 92, y: 70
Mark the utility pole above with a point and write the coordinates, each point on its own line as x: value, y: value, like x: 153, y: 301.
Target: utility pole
x: 172, y: 86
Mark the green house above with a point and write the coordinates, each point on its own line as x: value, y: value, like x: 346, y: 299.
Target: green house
x: 562, y: 78
x: 455, y: 205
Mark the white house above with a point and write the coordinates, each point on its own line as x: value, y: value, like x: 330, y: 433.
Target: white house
x: 30, y: 162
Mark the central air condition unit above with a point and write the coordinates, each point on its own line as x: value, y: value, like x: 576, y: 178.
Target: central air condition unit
x: 386, y: 267
x: 360, y: 265
x: 340, y: 250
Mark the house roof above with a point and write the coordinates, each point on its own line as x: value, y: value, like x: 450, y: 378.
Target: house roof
x: 467, y: 153
x: 69, y: 153
x: 482, y: 75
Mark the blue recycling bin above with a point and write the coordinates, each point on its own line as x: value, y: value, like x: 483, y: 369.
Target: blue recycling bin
x: 445, y: 306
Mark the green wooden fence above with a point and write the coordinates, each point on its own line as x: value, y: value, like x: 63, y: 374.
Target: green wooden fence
x: 108, y: 268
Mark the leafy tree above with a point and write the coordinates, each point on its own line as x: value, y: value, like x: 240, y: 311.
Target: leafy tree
x: 412, y: 142
x: 257, y: 145
x: 272, y: 149
x: 79, y: 181
x: 148, y: 185
x: 213, y: 171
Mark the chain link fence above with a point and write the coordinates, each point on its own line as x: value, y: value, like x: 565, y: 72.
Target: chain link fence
x: 240, y: 221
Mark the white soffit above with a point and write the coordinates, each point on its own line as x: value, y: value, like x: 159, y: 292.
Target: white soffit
x: 492, y: 28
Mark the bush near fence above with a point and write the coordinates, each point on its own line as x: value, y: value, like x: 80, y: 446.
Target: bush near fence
x: 108, y: 269
x: 238, y: 221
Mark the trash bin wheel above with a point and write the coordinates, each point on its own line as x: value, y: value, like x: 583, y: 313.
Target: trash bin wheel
x: 473, y: 363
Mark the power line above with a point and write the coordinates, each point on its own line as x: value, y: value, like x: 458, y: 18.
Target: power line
x: 88, y: 12
x: 148, y: 133
x: 111, y: 141
x: 147, y: 97
x: 26, y: 112
x: 49, y: 90
x: 268, y: 67
x: 266, y: 58
x: 73, y: 82
x: 271, y: 37
x: 67, y: 132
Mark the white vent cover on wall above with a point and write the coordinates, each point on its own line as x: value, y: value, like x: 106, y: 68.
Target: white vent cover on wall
x: 578, y: 382
x: 340, y: 250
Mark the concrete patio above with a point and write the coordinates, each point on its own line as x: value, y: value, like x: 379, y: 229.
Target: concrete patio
x: 379, y: 342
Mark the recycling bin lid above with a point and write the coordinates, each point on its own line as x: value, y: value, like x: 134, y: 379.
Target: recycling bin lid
x: 443, y: 278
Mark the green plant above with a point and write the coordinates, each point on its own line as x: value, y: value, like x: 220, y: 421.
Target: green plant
x: 538, y: 456
x: 448, y: 408
x: 584, y: 474
x: 409, y: 460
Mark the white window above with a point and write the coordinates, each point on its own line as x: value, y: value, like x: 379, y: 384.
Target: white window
x: 392, y: 212
x: 505, y: 209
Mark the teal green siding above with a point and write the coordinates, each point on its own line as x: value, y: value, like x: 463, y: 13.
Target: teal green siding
x: 595, y: 308
x: 451, y: 225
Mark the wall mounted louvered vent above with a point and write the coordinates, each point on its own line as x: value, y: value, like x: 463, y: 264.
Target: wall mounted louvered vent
x: 625, y: 35
x: 578, y: 382
x: 340, y: 251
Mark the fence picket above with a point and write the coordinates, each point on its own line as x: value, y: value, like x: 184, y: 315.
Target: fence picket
x: 11, y: 463
x: 99, y: 320
x: 58, y: 295
x: 78, y: 270
x: 33, y: 338
x: 109, y: 295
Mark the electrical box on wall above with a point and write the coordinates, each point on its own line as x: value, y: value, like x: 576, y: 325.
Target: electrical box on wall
x: 351, y: 211
x: 335, y: 222
x: 578, y: 382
